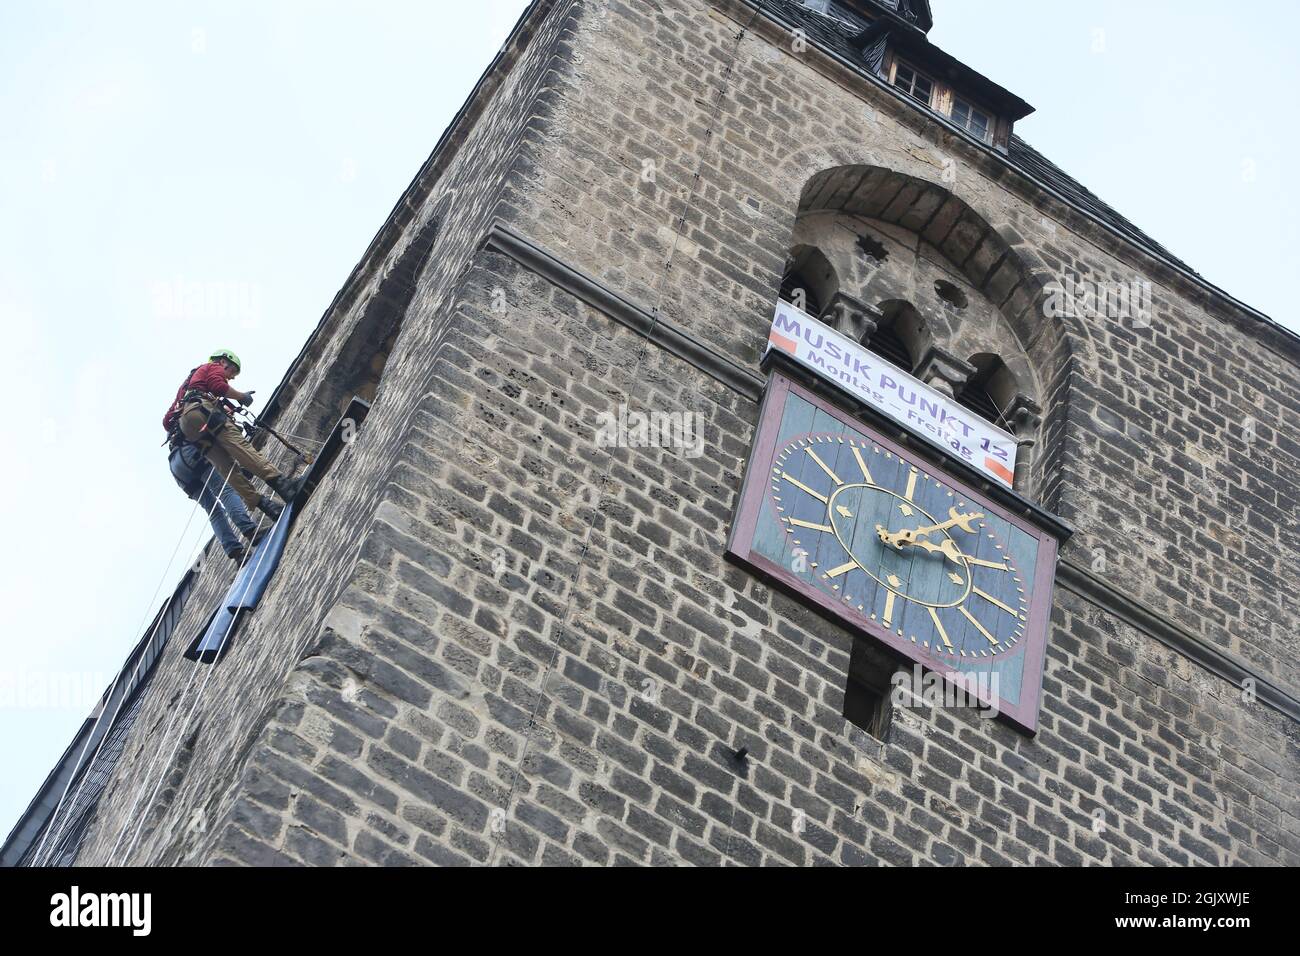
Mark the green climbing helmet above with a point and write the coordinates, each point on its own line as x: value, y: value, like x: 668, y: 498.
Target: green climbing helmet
x: 226, y: 354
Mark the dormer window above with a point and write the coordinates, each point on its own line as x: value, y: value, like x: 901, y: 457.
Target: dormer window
x: 916, y: 85
x: 974, y: 121
x: 940, y: 96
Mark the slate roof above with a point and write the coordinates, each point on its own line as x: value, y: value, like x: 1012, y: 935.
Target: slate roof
x: 1031, y: 161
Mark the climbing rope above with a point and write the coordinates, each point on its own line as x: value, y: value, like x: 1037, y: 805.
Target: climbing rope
x: 81, y: 761
x: 180, y: 735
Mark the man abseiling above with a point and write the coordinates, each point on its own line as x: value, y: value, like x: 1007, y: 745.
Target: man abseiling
x: 198, y: 417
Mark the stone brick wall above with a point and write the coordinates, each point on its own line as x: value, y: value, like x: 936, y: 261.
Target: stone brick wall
x: 494, y: 641
x: 582, y: 700
x: 1149, y: 436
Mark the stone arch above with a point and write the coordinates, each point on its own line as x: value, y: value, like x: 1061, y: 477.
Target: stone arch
x: 995, y: 262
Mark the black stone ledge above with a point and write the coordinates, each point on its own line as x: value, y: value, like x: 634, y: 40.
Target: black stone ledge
x: 504, y: 239
x: 1098, y: 592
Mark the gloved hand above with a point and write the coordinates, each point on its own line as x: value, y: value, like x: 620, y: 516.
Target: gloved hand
x: 247, y: 399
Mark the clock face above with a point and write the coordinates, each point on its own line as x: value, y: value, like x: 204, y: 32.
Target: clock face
x: 898, y: 545
x: 889, y: 544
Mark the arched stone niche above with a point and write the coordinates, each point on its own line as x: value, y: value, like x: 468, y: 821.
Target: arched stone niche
x: 932, y: 282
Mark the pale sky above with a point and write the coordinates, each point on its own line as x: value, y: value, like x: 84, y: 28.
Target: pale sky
x: 180, y: 177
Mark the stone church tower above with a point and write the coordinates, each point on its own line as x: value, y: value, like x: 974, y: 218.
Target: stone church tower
x: 505, y: 627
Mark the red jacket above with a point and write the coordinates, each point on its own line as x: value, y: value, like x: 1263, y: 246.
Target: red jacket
x: 209, y: 378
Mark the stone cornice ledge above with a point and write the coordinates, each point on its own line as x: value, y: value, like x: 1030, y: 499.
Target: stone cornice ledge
x: 1133, y: 612
x: 505, y: 239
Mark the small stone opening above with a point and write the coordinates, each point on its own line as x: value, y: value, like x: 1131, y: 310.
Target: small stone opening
x: 359, y: 366
x: 866, y: 692
x: 951, y: 294
x: 900, y: 336
x: 872, y: 248
x: 990, y: 391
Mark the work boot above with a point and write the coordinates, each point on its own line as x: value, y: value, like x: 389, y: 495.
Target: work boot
x: 237, y: 554
x: 270, y: 507
x: 256, y: 534
x: 287, y: 488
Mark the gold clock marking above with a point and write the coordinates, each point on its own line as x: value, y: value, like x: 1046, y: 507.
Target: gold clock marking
x: 979, y: 627
x: 842, y: 569
x: 910, y: 535
x: 959, y: 573
x: 804, y: 488
x: 824, y: 529
x: 824, y: 467
x: 938, y: 626
x: 994, y: 601
x: 866, y: 473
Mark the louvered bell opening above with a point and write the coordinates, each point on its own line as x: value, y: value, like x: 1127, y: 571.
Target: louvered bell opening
x: 795, y: 281
x: 887, y: 344
x: 978, y: 401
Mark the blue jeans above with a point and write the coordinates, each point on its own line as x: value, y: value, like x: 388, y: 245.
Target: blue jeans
x: 234, y: 512
x: 198, y: 480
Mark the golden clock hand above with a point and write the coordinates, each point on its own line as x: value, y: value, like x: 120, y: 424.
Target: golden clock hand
x: 910, y: 535
x: 948, y: 549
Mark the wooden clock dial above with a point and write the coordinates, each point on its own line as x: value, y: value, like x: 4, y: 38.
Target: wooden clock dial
x: 893, y: 546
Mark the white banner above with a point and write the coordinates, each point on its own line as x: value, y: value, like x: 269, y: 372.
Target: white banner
x: 893, y: 392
